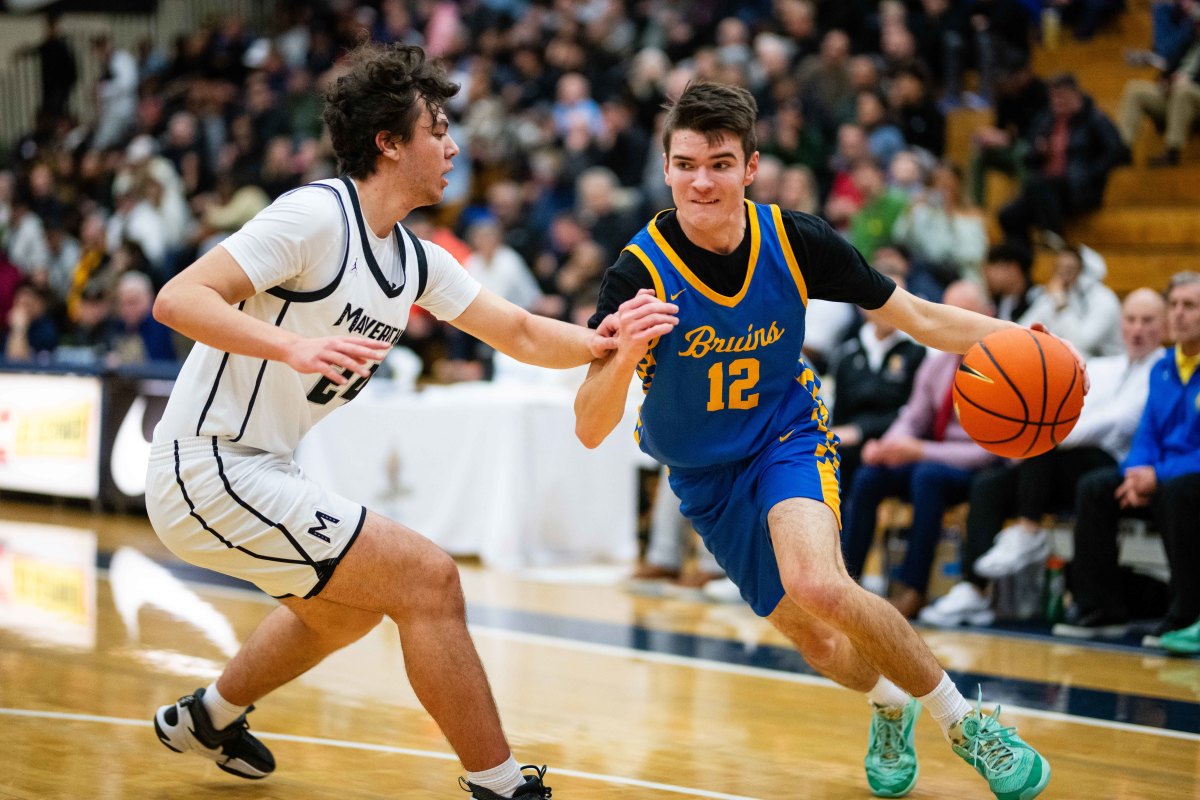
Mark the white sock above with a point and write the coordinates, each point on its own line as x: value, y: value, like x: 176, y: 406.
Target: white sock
x: 886, y: 694
x: 503, y: 780
x: 946, y: 704
x: 220, y: 711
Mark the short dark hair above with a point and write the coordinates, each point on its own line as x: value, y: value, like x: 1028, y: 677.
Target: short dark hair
x: 385, y: 89
x: 713, y: 109
x: 1012, y: 252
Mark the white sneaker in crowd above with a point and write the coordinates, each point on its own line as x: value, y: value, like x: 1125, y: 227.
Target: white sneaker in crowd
x: 1014, y: 549
x: 964, y: 604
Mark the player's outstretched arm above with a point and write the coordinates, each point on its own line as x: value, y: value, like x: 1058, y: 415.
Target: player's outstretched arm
x: 950, y: 328
x: 529, y: 338
x: 943, y: 327
x: 600, y: 403
x: 201, y: 303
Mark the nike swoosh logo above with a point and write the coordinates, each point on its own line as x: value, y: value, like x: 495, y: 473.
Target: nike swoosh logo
x: 787, y: 435
x: 681, y: 291
x: 131, y: 452
x: 974, y: 373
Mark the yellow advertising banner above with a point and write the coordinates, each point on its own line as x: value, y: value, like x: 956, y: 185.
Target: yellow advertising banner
x: 50, y: 434
x: 57, y: 432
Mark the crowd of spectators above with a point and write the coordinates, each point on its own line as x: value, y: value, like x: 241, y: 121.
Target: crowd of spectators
x: 559, y: 121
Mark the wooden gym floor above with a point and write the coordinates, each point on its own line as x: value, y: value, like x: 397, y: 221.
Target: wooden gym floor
x: 623, y: 696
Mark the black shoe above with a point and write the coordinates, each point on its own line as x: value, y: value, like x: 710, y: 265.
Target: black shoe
x: 532, y: 788
x: 1169, y: 158
x: 1099, y: 624
x: 186, y: 727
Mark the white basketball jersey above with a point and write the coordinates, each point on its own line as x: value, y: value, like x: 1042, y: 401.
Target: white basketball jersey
x: 266, y: 404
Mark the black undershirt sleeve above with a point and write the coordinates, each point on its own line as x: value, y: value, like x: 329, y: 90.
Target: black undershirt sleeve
x: 832, y: 268
x: 621, y: 282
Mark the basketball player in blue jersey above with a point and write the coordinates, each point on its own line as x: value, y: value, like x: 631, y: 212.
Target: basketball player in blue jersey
x: 737, y: 416
x: 292, y: 314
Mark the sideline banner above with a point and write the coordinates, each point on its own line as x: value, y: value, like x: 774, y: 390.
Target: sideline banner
x: 133, y: 405
x: 50, y: 434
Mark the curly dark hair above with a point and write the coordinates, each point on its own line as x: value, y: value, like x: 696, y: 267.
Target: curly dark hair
x: 714, y: 110
x: 385, y: 89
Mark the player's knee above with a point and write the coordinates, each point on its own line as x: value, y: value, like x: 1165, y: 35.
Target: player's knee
x: 439, y: 590
x: 817, y: 595
x: 819, y: 651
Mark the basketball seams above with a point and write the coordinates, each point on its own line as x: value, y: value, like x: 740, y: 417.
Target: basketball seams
x: 996, y: 414
x: 1063, y: 402
x: 1025, y: 424
x: 1028, y: 435
x: 1008, y: 380
x: 1045, y: 392
x: 1045, y: 378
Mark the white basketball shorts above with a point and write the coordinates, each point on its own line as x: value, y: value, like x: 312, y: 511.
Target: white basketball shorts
x: 247, y: 513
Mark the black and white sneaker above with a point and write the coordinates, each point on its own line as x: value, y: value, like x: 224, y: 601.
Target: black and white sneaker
x: 186, y: 727
x: 532, y: 788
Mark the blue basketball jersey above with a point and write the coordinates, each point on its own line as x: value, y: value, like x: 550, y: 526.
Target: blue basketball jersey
x: 729, y: 379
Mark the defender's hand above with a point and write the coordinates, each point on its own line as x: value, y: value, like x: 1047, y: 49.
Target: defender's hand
x: 330, y: 355
x: 605, y: 338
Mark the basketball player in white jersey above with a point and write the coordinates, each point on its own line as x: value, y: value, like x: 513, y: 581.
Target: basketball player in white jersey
x: 292, y: 315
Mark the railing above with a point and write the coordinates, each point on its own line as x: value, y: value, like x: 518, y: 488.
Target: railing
x: 21, y: 80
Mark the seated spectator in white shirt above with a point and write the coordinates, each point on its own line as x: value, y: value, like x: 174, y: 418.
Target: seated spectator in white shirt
x: 498, y: 267
x: 1047, y: 483
x: 1076, y: 305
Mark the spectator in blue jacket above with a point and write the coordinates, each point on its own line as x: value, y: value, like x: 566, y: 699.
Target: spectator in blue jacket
x: 139, y: 337
x: 1158, y: 480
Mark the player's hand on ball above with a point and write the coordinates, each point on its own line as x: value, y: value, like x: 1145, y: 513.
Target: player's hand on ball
x: 336, y: 356
x: 1087, y: 381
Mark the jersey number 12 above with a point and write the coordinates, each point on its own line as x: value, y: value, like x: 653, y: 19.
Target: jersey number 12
x: 743, y: 374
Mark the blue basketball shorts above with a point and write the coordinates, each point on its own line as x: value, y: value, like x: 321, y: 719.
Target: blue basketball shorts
x: 728, y: 505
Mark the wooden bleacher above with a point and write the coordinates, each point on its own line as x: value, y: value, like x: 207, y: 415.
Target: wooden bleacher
x: 1149, y: 226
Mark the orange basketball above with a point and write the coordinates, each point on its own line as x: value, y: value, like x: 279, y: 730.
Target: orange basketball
x: 1018, y: 393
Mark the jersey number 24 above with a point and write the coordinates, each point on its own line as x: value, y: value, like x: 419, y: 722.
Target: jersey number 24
x: 325, y: 389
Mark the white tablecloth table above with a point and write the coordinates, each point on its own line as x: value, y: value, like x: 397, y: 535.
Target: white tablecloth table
x: 484, y: 469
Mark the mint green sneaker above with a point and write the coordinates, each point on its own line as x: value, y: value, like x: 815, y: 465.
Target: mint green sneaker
x: 1184, y: 642
x: 891, y: 760
x: 1013, y: 769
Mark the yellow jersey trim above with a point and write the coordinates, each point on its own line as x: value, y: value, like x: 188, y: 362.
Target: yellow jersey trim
x: 830, y: 494
x: 690, y: 277
x: 644, y: 366
x: 654, y: 276
x: 786, y: 245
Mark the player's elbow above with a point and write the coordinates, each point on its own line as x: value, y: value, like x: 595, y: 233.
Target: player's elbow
x: 588, y: 437
x: 589, y: 430
x: 165, y: 306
